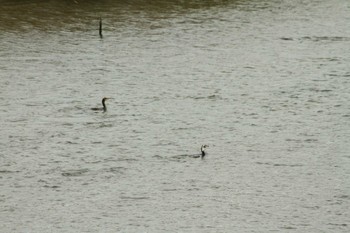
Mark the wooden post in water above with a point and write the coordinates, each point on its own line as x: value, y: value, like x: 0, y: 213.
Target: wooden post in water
x: 100, y: 29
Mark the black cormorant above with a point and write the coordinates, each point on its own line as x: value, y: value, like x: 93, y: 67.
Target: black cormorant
x: 104, y: 108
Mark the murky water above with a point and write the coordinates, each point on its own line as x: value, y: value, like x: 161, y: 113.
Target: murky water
x: 264, y: 83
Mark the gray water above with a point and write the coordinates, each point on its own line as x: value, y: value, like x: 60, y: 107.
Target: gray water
x: 264, y: 83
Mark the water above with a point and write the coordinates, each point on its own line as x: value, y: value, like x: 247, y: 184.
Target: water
x: 264, y: 83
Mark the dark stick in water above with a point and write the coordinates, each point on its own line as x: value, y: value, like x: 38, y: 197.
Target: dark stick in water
x: 100, y: 29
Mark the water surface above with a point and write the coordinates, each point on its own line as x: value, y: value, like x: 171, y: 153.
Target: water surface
x: 264, y: 83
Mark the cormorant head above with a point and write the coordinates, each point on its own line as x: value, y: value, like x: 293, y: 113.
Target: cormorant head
x: 105, y: 98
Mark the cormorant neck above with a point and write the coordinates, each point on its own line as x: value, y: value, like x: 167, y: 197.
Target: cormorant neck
x: 104, y: 105
x: 203, y: 150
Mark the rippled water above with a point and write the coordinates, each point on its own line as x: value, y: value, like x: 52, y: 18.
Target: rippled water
x: 264, y: 83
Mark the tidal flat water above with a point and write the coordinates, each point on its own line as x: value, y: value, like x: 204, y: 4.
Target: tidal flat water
x: 264, y: 83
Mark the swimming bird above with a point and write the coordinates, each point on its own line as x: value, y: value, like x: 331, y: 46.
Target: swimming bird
x: 104, y: 108
x: 203, y: 150
x: 201, y: 155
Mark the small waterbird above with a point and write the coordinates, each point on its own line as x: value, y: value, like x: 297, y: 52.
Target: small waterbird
x: 104, y: 108
x: 201, y: 155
